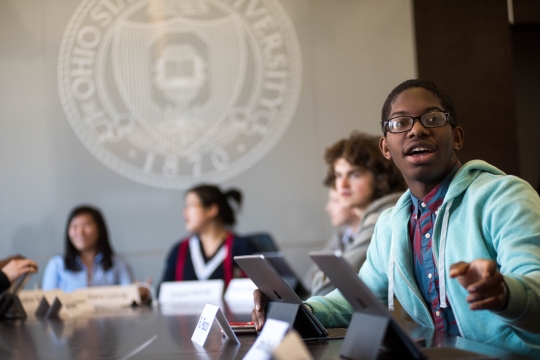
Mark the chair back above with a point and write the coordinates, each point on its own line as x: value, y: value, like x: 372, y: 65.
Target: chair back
x: 262, y: 242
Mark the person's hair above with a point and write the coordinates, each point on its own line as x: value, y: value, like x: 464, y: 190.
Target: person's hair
x: 446, y: 101
x: 103, y: 246
x: 363, y: 150
x: 211, y: 194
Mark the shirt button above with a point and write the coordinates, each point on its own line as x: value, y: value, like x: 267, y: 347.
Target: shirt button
x: 423, y: 204
x: 437, y: 212
x: 430, y: 275
x: 428, y: 236
x: 438, y: 313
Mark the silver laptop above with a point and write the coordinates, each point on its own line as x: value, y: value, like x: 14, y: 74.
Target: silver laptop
x: 284, y: 304
x: 364, y: 301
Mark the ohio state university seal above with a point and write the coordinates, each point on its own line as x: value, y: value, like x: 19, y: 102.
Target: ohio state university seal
x: 170, y: 93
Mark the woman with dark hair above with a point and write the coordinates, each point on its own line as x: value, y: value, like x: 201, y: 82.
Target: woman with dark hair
x: 207, y: 253
x: 88, y: 258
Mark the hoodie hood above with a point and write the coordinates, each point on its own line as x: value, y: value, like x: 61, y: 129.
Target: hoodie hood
x: 460, y: 183
x: 467, y: 174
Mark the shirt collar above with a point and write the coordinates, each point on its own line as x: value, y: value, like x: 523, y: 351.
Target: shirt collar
x: 97, y: 259
x: 434, y: 199
x: 347, y: 235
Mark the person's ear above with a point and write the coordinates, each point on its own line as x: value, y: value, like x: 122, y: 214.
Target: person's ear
x: 385, y: 149
x: 458, y: 137
x: 212, y: 210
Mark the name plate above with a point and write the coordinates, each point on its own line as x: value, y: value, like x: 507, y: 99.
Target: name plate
x: 240, y: 290
x: 271, y: 336
x: 111, y: 296
x: 292, y: 347
x: 30, y: 300
x: 75, y: 303
x: 209, y: 314
x: 207, y: 291
x: 239, y: 296
x: 70, y: 304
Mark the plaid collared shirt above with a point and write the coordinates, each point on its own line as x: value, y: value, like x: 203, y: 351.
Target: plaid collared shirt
x: 423, y: 215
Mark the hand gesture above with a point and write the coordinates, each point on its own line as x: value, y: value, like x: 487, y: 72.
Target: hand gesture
x: 484, y: 282
x: 258, y: 314
x: 5, y: 261
x: 16, y: 268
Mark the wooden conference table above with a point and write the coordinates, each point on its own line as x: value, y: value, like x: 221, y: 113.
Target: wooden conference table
x: 122, y: 334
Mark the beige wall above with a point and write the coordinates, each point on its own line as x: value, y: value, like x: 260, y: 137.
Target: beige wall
x: 353, y: 54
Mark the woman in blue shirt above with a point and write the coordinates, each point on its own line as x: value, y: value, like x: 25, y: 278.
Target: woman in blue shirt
x: 88, y: 259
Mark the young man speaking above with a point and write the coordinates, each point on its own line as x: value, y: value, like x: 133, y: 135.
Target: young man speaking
x: 461, y: 248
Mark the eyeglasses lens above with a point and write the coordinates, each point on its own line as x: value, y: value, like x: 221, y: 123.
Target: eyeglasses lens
x: 405, y: 123
x: 434, y: 119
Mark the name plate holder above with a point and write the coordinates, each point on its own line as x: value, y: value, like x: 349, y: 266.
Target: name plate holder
x: 209, y: 314
x: 42, y: 308
x: 47, y: 311
x: 57, y: 304
x: 368, y: 333
x: 295, y: 315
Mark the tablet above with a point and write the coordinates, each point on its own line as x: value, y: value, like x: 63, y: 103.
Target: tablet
x: 18, y: 285
x: 271, y: 284
x: 278, y: 261
x: 338, y: 270
x: 362, y: 300
x: 10, y: 305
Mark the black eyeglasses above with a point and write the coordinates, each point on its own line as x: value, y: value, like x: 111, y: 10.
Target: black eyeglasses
x: 402, y: 124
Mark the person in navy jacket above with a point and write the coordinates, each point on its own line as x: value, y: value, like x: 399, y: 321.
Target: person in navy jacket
x: 209, y: 251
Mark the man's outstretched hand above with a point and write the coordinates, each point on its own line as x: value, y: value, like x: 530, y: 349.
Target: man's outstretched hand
x: 258, y: 314
x: 484, y: 282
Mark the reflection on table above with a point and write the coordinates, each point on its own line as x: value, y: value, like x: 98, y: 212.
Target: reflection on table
x: 115, y: 334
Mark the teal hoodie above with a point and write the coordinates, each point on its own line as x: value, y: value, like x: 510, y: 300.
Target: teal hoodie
x: 485, y: 215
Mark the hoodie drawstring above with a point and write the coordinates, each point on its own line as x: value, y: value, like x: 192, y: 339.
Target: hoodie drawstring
x: 391, y: 265
x: 442, y: 247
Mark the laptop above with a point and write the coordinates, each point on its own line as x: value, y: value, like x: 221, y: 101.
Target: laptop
x: 364, y: 301
x: 284, y: 303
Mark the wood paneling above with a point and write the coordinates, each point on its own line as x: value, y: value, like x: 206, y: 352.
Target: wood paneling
x: 465, y: 48
x: 526, y: 11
